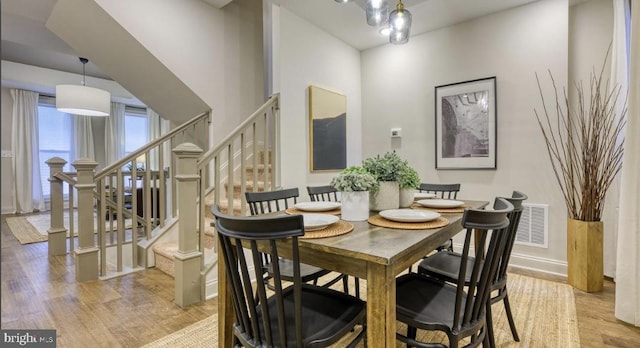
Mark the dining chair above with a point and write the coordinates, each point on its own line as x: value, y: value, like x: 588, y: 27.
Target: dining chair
x: 444, y: 191
x: 298, y: 315
x: 322, y: 193
x: 445, y: 265
x: 273, y: 201
x: 457, y: 309
x: 328, y: 193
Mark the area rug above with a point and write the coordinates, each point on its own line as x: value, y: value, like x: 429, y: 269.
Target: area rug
x: 544, y: 313
x: 33, y: 228
x: 24, y: 231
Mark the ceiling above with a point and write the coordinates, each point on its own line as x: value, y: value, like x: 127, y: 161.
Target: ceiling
x: 25, y: 39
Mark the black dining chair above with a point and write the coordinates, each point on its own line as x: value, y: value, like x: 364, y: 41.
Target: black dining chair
x: 274, y: 201
x: 445, y: 265
x: 298, y: 315
x: 322, y: 193
x: 329, y: 193
x: 458, y: 309
x: 444, y: 191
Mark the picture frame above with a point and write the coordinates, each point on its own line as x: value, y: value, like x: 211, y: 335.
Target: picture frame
x: 466, y: 125
x: 327, y: 130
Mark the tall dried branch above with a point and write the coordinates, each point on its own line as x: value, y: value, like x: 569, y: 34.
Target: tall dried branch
x: 584, y: 142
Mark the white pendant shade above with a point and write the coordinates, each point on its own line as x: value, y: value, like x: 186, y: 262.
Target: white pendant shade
x: 83, y: 100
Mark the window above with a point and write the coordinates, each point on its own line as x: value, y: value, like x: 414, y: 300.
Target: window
x: 136, y: 125
x: 55, y: 137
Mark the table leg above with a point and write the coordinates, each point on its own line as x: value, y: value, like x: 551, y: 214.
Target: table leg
x: 381, y: 306
x: 225, y: 306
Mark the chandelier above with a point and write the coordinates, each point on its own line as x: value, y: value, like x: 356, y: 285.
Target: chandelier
x: 397, y: 22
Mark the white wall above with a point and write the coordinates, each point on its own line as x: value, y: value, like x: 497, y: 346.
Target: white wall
x: 398, y: 91
x: 590, y: 33
x: 217, y: 53
x: 310, y: 56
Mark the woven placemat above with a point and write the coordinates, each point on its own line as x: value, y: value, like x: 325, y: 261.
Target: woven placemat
x: 382, y: 222
x: 335, y: 229
x: 292, y: 211
x: 440, y: 210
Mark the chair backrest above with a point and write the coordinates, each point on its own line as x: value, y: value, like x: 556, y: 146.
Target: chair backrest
x: 271, y: 201
x: 516, y: 200
x: 446, y: 191
x: 254, y: 325
x: 491, y: 226
x: 322, y: 193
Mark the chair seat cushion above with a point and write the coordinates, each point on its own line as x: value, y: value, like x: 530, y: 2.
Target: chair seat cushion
x: 326, y: 315
x: 425, y: 303
x: 445, y: 265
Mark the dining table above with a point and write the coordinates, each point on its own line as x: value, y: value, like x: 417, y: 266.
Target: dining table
x: 374, y: 253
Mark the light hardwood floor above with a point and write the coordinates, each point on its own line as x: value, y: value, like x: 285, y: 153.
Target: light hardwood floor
x: 39, y: 291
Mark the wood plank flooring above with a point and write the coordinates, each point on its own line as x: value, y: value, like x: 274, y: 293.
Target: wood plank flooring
x: 38, y: 291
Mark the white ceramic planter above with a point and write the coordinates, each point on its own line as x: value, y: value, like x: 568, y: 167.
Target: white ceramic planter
x: 406, y: 198
x: 355, y: 205
x: 387, y: 196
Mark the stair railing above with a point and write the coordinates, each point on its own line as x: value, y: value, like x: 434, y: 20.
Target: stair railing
x: 251, y: 148
x: 131, y: 193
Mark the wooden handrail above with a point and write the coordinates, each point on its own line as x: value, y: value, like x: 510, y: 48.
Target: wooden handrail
x: 207, y: 156
x: 107, y: 170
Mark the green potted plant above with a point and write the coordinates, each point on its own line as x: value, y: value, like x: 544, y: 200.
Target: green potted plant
x: 386, y: 169
x: 408, y: 181
x: 354, y: 184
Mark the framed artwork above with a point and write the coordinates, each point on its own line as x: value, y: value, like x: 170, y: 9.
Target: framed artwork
x: 327, y: 130
x: 466, y: 126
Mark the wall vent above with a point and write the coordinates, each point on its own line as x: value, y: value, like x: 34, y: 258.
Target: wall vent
x: 533, y: 228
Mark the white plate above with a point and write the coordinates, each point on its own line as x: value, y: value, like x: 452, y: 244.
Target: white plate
x: 423, y: 195
x: 313, y: 222
x: 317, y: 206
x: 440, y: 203
x: 409, y: 215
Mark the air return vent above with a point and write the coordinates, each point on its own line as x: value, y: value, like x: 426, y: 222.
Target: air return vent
x: 533, y: 228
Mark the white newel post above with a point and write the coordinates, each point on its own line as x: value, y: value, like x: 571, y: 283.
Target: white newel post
x: 57, y: 233
x: 87, y: 267
x: 188, y: 258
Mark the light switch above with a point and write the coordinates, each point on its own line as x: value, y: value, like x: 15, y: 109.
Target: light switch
x: 396, y: 132
x: 7, y: 153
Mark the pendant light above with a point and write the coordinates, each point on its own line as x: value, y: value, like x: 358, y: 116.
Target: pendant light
x: 400, y: 24
x: 377, y: 12
x: 83, y: 100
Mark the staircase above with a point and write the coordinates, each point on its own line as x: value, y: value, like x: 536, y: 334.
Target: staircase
x: 177, y: 191
x: 165, y: 251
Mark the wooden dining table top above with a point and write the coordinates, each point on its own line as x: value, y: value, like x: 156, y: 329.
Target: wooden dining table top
x: 369, y: 252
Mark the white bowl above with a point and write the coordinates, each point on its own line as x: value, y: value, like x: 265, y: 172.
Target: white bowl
x: 440, y: 203
x: 409, y: 215
x: 317, y: 206
x: 313, y: 222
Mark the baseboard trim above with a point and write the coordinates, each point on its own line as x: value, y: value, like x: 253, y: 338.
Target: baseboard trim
x: 539, y: 264
x: 532, y: 263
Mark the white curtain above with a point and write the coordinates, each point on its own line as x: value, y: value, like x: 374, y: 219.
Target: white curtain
x: 83, y: 138
x: 27, y: 189
x: 627, y: 307
x: 114, y: 134
x: 619, y: 80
